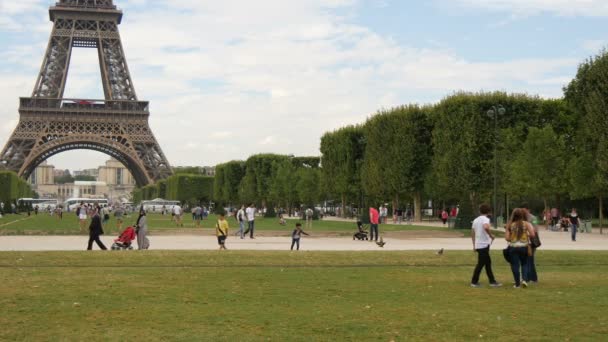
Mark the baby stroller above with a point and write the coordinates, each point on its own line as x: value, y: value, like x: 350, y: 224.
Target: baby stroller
x: 361, y: 233
x: 124, y: 240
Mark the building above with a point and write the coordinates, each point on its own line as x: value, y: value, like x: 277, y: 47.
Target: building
x: 44, y: 174
x: 119, y: 180
x: 114, y: 173
x: 87, y: 172
x: 113, y: 181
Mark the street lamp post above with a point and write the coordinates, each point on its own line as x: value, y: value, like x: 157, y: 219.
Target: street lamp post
x: 494, y: 112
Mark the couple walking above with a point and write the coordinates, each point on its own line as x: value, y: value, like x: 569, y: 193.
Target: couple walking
x: 519, y: 232
x: 246, y: 215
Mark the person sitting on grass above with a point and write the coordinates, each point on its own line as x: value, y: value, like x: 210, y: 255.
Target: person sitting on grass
x: 221, y: 230
x: 296, y: 234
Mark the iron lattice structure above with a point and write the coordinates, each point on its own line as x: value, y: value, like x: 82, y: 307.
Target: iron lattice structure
x: 118, y: 125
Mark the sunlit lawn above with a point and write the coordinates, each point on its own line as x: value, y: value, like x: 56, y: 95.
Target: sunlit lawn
x: 304, y: 296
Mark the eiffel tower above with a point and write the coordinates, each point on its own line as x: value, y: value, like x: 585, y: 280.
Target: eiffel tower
x: 118, y: 125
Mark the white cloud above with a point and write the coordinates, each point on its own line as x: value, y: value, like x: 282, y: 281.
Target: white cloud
x: 592, y: 8
x: 228, y: 78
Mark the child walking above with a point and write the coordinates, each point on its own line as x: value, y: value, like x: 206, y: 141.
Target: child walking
x: 221, y: 230
x: 295, y: 236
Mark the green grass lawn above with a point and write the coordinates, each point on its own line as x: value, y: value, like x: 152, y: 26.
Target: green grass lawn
x: 304, y: 296
x: 45, y: 224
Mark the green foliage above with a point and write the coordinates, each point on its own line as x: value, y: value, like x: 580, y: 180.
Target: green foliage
x: 12, y: 187
x: 308, y: 186
x: 260, y: 172
x: 539, y: 167
x: 191, y: 189
x: 397, y: 152
x: 587, y: 95
x: 228, y: 179
x: 342, y: 157
x: 85, y: 178
x: 65, y: 179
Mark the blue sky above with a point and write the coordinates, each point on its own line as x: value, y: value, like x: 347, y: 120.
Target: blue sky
x: 227, y: 79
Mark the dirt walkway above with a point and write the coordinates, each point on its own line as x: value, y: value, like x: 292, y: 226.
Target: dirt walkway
x: 551, y: 241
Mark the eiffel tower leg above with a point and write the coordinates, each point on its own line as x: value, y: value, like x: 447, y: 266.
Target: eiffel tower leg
x: 54, y: 70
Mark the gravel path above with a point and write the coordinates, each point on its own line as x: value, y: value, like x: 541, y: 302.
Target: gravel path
x: 550, y: 240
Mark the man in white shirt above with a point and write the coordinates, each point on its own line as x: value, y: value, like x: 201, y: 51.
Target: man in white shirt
x: 482, y: 240
x: 177, y: 212
x: 250, y: 212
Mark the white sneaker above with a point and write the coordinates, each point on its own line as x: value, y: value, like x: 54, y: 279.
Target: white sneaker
x: 476, y: 285
x: 497, y: 284
x: 524, y: 284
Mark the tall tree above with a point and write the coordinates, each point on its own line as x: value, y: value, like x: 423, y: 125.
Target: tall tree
x: 342, y: 156
x: 539, y: 167
x: 398, y: 154
x: 587, y: 94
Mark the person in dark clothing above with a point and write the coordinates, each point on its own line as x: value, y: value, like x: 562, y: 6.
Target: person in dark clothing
x: 296, y: 235
x: 574, y: 222
x: 95, y: 230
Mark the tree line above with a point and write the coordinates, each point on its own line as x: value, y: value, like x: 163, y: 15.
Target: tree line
x: 549, y: 150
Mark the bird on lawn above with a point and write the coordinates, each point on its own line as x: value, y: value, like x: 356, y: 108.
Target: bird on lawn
x: 440, y: 252
x: 380, y: 243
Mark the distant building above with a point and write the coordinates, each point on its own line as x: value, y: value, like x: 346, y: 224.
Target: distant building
x: 44, y: 174
x: 114, y: 182
x: 87, y: 172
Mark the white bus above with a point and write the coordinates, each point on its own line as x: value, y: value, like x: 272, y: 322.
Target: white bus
x: 156, y: 205
x: 42, y: 203
x: 72, y: 203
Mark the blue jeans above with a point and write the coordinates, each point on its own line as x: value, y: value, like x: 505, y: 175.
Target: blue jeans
x: 531, y: 266
x: 373, y: 228
x: 241, y: 228
x: 295, y: 241
x: 574, y: 229
x: 519, y: 258
x: 250, y: 229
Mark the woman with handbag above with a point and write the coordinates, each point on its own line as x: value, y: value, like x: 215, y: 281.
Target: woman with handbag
x: 517, y: 234
x: 141, y: 227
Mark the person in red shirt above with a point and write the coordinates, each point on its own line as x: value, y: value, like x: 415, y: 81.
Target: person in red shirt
x: 454, y: 212
x: 373, y: 220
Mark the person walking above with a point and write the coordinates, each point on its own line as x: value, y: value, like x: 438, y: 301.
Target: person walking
x: 141, y: 228
x: 95, y: 230
x: 177, y: 214
x: 531, y: 262
x: 81, y: 212
x: 241, y: 218
x: 374, y: 217
x: 444, y: 216
x: 574, y: 222
x: 221, y: 230
x: 118, y: 215
x: 482, y: 240
x: 517, y: 234
x: 309, y: 214
x: 296, y: 235
x: 250, y: 212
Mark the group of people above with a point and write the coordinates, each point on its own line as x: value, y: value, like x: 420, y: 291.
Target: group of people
x: 447, y: 213
x: 522, y: 238
x: 555, y: 221
x: 246, y: 216
x: 100, y: 216
x: 222, y: 227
